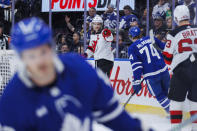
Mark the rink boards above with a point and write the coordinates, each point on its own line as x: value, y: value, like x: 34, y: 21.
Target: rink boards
x: 121, y: 81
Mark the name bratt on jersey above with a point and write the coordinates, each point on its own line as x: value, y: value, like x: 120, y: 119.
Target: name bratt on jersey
x: 189, y: 33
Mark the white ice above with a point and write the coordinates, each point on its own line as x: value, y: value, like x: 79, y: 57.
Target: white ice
x: 158, y: 123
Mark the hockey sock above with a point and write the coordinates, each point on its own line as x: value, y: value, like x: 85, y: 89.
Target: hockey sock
x: 193, y: 111
x: 165, y: 103
x: 176, y: 113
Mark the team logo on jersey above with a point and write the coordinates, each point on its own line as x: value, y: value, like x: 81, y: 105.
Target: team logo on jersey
x: 63, y: 102
x: 70, y: 121
x: 73, y: 123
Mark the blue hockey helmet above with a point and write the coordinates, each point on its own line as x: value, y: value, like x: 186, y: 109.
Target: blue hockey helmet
x: 134, y: 31
x: 30, y: 33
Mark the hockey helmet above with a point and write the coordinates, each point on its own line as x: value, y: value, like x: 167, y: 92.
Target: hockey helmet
x: 134, y: 31
x: 97, y: 19
x: 30, y: 33
x: 181, y: 12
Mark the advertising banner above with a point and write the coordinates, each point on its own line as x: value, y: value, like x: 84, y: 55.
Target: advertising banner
x: 78, y: 5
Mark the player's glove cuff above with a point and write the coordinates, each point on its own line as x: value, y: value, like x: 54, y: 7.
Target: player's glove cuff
x: 136, y: 82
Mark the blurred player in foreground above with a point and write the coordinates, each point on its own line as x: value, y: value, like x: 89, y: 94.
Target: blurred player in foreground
x: 56, y: 93
x: 181, y: 53
x: 100, y: 46
x: 147, y: 61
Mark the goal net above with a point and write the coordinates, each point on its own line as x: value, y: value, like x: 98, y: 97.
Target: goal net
x: 8, y: 66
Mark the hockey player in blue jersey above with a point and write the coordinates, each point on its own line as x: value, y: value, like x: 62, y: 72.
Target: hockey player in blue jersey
x: 56, y: 93
x: 146, y: 61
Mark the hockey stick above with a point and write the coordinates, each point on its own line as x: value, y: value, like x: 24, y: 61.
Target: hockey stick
x: 131, y: 95
x: 184, y: 123
x: 153, y: 41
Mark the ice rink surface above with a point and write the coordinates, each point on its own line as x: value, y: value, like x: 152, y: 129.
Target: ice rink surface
x: 157, y: 122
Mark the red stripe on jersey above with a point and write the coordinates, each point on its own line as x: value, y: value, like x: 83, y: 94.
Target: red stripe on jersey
x: 90, y: 48
x: 167, y: 55
x: 167, y: 62
x: 176, y: 112
x: 193, y: 113
x: 175, y: 121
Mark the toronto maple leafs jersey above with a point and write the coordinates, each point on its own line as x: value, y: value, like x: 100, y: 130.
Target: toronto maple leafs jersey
x: 77, y: 96
x: 110, y: 20
x: 145, y: 59
x: 126, y: 20
x: 100, y: 46
x: 161, y: 10
x: 181, y: 43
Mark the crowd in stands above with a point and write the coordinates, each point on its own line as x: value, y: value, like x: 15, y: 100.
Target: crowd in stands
x: 71, y: 37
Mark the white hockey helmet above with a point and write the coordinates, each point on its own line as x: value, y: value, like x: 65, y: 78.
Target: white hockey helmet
x: 181, y: 12
x: 97, y: 19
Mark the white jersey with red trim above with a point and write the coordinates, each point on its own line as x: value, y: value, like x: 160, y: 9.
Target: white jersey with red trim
x: 181, y: 43
x: 100, y: 46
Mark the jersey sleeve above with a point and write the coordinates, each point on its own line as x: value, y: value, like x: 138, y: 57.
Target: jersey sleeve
x: 108, y: 111
x: 136, y: 65
x: 91, y: 48
x: 10, y: 116
x: 95, y: 92
x: 169, y: 49
x: 160, y: 44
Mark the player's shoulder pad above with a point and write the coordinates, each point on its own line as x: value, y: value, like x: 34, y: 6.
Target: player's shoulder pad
x: 179, y: 29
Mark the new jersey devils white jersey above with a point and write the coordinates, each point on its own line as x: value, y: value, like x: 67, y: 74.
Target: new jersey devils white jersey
x: 181, y: 43
x: 100, y: 46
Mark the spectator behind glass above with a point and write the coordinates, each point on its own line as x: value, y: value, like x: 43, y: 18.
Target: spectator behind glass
x: 4, y: 39
x: 128, y: 19
x: 75, y: 42
x: 169, y: 20
x: 161, y: 8
x: 61, y: 40
x: 143, y: 21
x: 110, y: 17
x: 159, y: 27
x: 88, y: 31
x: 64, y: 48
x: 192, y: 9
x: 4, y: 4
x: 69, y: 25
x: 122, y: 48
x: 92, y: 14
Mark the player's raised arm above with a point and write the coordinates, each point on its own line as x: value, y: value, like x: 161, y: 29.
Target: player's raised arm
x: 159, y: 43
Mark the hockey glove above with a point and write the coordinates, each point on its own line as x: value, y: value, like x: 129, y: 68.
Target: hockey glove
x: 106, y: 33
x: 137, y: 86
